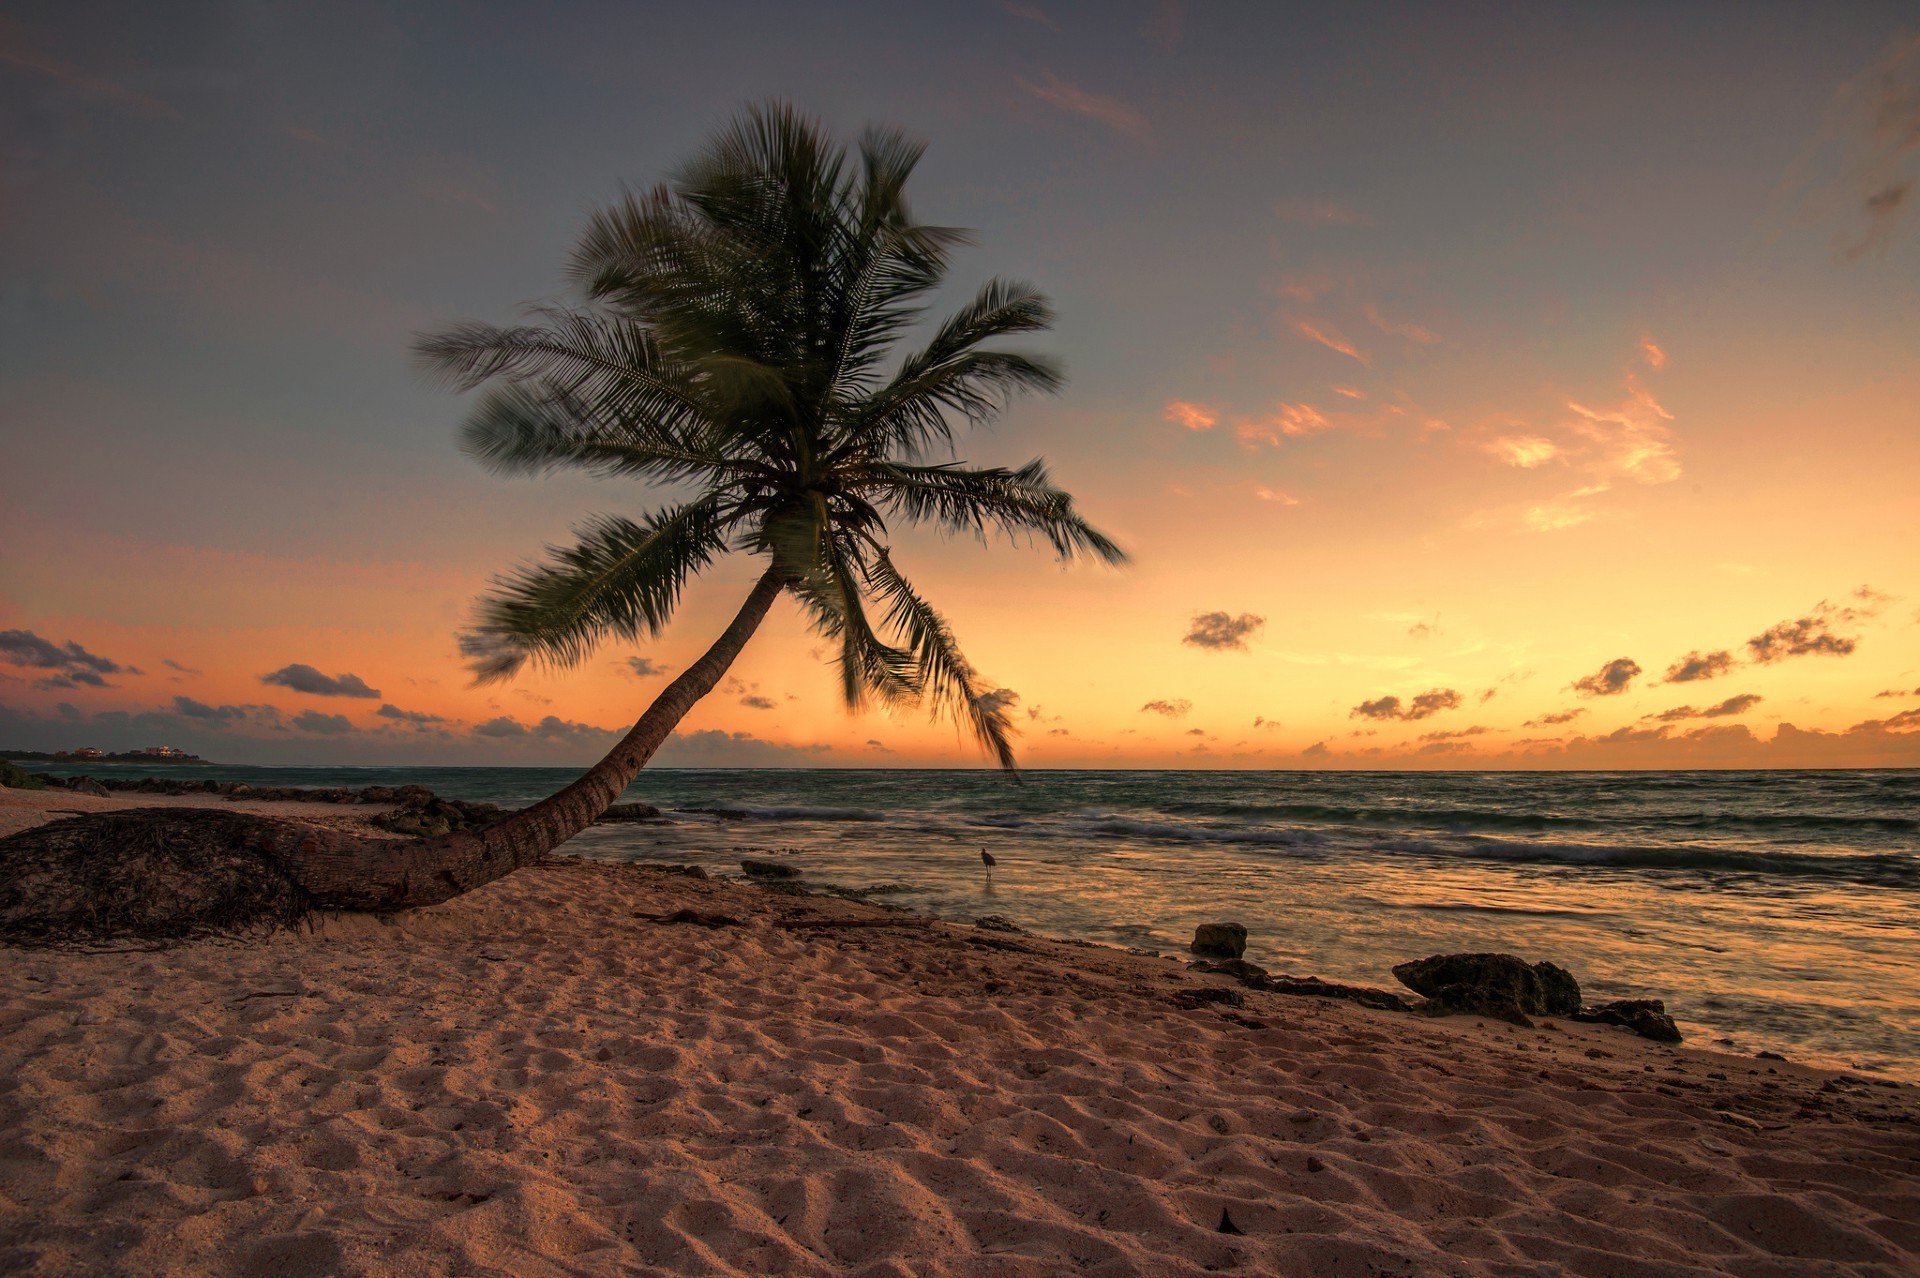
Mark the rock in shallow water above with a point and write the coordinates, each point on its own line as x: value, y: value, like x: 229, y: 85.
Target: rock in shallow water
x: 1502, y: 986
x: 1646, y: 1017
x: 1219, y: 940
x: 769, y: 869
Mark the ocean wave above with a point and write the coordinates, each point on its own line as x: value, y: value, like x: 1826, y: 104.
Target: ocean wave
x: 1446, y: 818
x: 1884, y: 869
x: 786, y: 814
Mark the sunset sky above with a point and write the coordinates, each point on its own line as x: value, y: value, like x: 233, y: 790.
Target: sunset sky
x: 1520, y: 389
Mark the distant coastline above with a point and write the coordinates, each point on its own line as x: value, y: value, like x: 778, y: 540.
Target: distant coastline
x: 124, y: 756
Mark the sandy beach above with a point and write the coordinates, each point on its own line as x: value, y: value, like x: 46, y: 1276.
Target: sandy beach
x: 548, y: 1076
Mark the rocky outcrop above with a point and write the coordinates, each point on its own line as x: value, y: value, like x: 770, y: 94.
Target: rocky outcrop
x: 629, y: 812
x: 769, y: 869
x: 1219, y: 940
x: 1502, y: 986
x: 1646, y: 1017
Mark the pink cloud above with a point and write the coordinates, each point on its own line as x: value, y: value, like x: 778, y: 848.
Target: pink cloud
x: 1191, y: 416
x: 1099, y: 107
x: 1412, y: 332
x: 1329, y: 337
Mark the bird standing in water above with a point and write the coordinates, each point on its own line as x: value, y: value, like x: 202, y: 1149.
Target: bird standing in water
x: 986, y: 859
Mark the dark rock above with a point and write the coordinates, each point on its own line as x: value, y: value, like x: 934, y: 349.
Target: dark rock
x: 87, y: 785
x: 1646, y: 1017
x: 770, y: 869
x: 1559, y: 992
x: 629, y: 812
x: 1314, y: 987
x: 1238, y: 969
x: 1502, y: 986
x: 237, y: 788
x: 995, y: 923
x: 1208, y: 994
x: 377, y: 793
x: 15, y: 777
x: 1219, y: 940
x: 690, y: 871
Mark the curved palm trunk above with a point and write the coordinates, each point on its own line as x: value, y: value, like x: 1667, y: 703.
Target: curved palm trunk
x: 343, y: 871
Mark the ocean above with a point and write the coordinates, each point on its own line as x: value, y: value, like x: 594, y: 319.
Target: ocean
x: 1773, y: 911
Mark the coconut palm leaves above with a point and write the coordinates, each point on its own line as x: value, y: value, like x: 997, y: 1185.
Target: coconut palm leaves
x: 740, y: 342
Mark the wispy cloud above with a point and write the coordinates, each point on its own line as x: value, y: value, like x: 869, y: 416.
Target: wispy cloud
x: 1651, y: 352
x: 1559, y: 716
x: 1287, y: 421
x: 1412, y: 332
x: 643, y: 667
x: 1632, y: 436
x: 1867, y: 146
x: 1329, y: 337
x: 1173, y: 709
x: 1028, y: 13
x: 75, y: 77
x: 1524, y: 451
x: 1191, y: 416
x: 1275, y: 495
x: 1098, y: 107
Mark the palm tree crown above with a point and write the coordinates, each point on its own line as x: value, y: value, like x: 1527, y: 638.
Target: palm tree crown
x: 740, y: 341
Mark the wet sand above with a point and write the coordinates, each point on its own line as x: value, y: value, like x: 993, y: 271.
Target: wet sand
x: 541, y: 1078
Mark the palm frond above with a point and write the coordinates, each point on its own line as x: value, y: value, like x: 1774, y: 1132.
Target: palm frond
x: 947, y: 681
x: 622, y: 578
x: 962, y: 500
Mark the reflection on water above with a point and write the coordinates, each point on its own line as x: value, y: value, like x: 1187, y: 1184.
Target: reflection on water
x: 1774, y: 910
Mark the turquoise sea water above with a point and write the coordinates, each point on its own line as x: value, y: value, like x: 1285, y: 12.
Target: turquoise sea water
x: 1773, y: 910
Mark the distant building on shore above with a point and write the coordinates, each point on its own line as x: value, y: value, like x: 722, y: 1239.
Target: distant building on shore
x: 84, y: 752
x: 165, y: 752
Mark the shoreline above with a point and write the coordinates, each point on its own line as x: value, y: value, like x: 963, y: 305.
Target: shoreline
x: 548, y: 1076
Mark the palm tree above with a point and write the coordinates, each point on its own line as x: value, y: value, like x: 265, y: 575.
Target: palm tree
x: 738, y: 345
x: 740, y: 342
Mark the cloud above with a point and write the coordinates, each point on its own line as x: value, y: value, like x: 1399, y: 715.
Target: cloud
x: 1651, y: 352
x: 1869, y: 143
x: 1560, y: 716
x: 171, y: 664
x: 1455, y: 734
x: 1172, y: 709
x: 325, y: 725
x: 1423, y: 630
x: 1191, y: 416
x: 1632, y: 436
x: 554, y: 728
x: 74, y: 664
x: 1731, y: 706
x: 304, y: 678
x: 1329, y: 337
x: 997, y: 699
x: 1289, y: 421
x: 713, y: 748
x: 417, y: 717
x: 74, y: 77
x: 644, y: 667
x: 1318, y: 750
x: 1261, y: 721
x: 1696, y: 666
x: 1423, y: 706
x: 1524, y: 451
x: 1275, y: 496
x: 1899, y: 692
x: 1350, y: 392
x: 758, y: 703
x: 500, y: 728
x: 1609, y: 680
x: 878, y: 746
x: 1218, y: 631
x: 1098, y: 107
x: 1412, y: 332
x: 1319, y: 213
x: 1811, y: 635
x: 1027, y: 13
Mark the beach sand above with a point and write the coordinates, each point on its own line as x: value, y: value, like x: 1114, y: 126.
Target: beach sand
x: 538, y: 1079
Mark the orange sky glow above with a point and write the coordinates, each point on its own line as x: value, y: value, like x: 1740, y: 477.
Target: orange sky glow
x: 1603, y: 463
